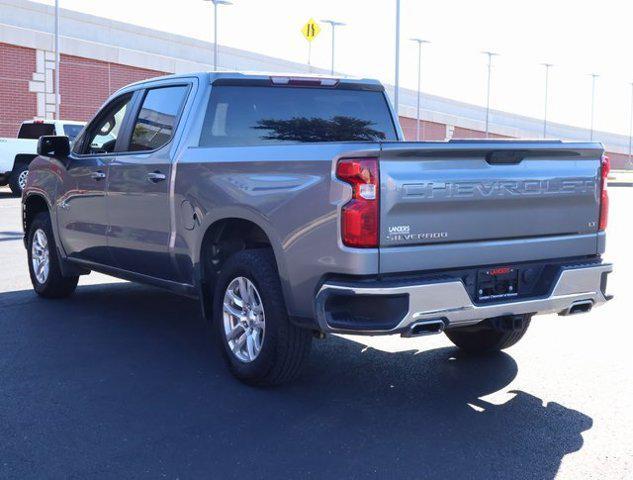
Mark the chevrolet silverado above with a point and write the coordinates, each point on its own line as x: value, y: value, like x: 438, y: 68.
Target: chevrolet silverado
x: 292, y: 207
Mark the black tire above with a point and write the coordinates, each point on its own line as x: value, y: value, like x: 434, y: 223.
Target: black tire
x: 14, y: 179
x: 484, y: 338
x: 285, y: 346
x: 55, y: 284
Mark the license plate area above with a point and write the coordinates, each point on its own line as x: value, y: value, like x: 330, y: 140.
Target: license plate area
x: 497, y: 282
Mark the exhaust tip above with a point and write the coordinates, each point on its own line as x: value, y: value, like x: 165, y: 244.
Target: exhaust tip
x: 425, y: 327
x: 583, y: 306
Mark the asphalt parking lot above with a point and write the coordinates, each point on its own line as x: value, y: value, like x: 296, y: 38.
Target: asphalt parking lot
x: 121, y: 381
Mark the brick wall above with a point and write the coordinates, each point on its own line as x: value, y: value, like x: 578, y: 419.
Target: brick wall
x: 428, y: 130
x: 467, y: 133
x: 85, y: 84
x: 461, y: 132
x: 17, y: 104
x: 619, y: 161
x: 437, y: 131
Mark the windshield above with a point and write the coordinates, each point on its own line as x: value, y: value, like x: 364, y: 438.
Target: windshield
x: 253, y: 115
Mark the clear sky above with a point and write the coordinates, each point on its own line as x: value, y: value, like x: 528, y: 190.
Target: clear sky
x: 579, y: 37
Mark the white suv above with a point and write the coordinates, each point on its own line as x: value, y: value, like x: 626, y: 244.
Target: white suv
x: 17, y: 153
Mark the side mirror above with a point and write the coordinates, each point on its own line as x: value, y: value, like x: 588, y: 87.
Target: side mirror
x: 53, y: 146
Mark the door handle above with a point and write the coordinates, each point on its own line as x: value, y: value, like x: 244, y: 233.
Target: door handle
x: 98, y: 175
x: 156, y: 177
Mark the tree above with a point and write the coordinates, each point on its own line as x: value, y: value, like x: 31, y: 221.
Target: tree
x: 338, y: 129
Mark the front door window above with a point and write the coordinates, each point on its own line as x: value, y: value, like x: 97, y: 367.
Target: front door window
x: 102, y: 135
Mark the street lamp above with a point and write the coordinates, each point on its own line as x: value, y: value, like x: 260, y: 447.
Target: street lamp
x: 215, y: 29
x: 490, y: 55
x: 396, y: 89
x: 57, y: 96
x: 333, y: 24
x: 631, y: 129
x: 419, y: 41
x: 547, y: 67
x: 593, y: 101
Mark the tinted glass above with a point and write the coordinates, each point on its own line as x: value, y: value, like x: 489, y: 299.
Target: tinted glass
x: 243, y: 115
x: 157, y: 119
x: 36, y: 130
x: 102, y: 134
x: 71, y: 131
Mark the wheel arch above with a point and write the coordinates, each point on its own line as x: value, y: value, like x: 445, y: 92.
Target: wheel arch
x: 23, y: 159
x: 33, y: 204
x: 224, y: 236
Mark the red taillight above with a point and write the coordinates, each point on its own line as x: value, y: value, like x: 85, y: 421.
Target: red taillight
x: 605, y: 168
x: 359, y: 217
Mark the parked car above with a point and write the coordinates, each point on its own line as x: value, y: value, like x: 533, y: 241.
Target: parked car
x: 16, y: 153
x: 292, y: 207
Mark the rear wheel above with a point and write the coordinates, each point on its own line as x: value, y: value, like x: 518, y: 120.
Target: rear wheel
x: 18, y: 178
x: 259, y: 343
x: 46, y: 275
x: 490, y: 336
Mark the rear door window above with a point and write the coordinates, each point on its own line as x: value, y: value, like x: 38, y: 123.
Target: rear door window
x: 254, y: 115
x: 158, y: 117
x: 34, y: 131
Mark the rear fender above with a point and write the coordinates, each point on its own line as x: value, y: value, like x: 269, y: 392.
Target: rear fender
x: 239, y: 213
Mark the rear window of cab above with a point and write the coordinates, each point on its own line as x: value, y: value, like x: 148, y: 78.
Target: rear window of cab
x: 263, y: 115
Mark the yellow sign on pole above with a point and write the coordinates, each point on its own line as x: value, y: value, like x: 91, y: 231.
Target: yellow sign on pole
x: 310, y: 30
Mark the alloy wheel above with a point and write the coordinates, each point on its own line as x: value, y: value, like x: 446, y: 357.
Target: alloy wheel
x: 244, y: 319
x: 40, y: 256
x: 22, y: 179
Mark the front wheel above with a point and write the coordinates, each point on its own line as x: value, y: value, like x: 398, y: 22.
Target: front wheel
x: 259, y: 343
x: 46, y: 275
x: 489, y: 336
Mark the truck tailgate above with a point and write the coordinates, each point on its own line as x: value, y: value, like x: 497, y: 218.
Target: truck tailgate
x: 478, y: 191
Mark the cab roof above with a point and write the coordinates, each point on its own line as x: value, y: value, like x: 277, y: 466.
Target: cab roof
x: 273, y: 77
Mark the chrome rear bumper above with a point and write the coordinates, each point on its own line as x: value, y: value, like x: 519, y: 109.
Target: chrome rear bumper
x: 450, y: 302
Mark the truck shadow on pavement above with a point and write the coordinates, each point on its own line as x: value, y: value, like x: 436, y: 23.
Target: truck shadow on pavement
x: 120, y: 381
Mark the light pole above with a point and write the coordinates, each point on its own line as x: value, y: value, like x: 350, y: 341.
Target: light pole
x: 593, y: 102
x: 547, y: 67
x: 215, y: 29
x: 333, y: 24
x: 396, y: 90
x: 57, y: 96
x: 631, y: 130
x: 419, y: 41
x: 490, y: 55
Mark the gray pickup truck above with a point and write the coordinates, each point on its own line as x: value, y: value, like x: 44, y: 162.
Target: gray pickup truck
x: 292, y: 207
